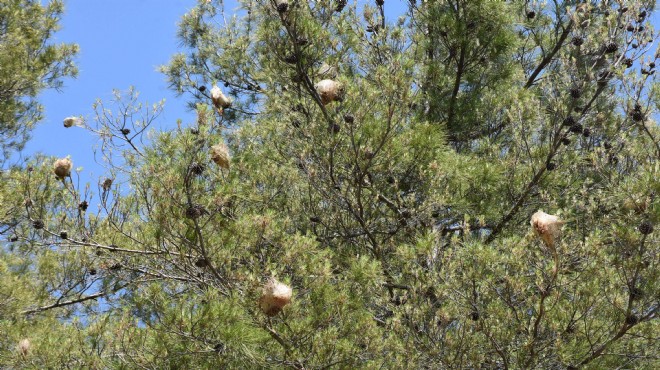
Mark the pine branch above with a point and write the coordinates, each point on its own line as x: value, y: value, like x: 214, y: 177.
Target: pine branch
x: 538, y: 175
x: 65, y: 303
x: 548, y: 58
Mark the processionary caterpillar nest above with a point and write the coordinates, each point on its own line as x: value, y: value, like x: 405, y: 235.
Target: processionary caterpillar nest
x: 71, y: 121
x: 220, y: 155
x: 220, y: 100
x: 548, y: 227
x: 274, y: 297
x: 62, y: 168
x: 24, y: 346
x: 329, y: 91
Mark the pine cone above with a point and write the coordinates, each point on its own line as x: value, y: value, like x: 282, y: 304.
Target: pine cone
x: 195, y: 211
x: 201, y: 262
x: 576, y: 128
x: 577, y: 41
x: 575, y: 92
x: 637, y: 116
x: 610, y: 47
x: 282, y: 5
x: 196, y: 168
x: 645, y: 228
x: 291, y: 58
x: 627, y: 62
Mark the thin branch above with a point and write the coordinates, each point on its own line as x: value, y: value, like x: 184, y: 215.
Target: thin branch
x: 548, y: 58
x: 65, y: 303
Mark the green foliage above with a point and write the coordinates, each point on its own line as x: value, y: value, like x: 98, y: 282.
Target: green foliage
x: 399, y: 216
x: 30, y: 63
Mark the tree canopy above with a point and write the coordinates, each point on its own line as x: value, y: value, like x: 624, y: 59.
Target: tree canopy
x: 29, y: 63
x: 473, y: 184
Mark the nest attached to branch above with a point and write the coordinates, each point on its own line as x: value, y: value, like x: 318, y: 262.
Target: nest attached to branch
x: 274, y: 297
x: 62, y: 168
x: 329, y: 91
x: 220, y: 155
x: 220, y: 100
x: 24, y: 346
x: 72, y: 121
x: 548, y: 227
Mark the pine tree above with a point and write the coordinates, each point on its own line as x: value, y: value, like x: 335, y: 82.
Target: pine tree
x: 473, y: 185
x: 29, y: 62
